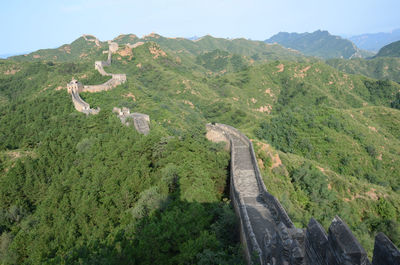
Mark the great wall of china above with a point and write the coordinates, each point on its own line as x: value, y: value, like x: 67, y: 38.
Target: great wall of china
x: 75, y: 87
x: 267, y: 233
x: 140, y: 121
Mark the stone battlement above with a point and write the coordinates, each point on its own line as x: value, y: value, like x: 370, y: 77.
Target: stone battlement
x: 140, y: 121
x: 74, y: 87
x: 267, y: 233
x: 116, y: 80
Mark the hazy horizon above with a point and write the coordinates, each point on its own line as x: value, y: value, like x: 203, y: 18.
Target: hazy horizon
x: 49, y: 24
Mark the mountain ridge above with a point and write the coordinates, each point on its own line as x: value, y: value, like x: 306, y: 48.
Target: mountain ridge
x: 82, y: 48
x: 319, y: 43
x: 375, y: 41
x: 327, y: 143
x: 390, y: 50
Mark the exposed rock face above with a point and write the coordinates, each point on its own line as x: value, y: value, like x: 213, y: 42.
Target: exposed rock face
x: 266, y: 231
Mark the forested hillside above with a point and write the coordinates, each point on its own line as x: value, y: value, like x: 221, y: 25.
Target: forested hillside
x: 88, y: 47
x: 77, y: 189
x: 384, y: 68
x: 390, y: 50
x: 86, y: 189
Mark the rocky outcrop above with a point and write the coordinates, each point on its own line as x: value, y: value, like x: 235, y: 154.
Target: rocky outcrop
x: 266, y: 231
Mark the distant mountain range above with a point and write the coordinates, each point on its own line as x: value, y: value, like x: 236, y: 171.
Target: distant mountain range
x: 88, y: 47
x: 320, y: 44
x: 375, y: 41
x: 327, y: 143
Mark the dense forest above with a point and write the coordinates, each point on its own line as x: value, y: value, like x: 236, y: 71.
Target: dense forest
x: 87, y: 190
x: 77, y: 189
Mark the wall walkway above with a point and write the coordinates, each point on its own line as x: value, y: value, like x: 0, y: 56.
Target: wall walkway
x: 140, y: 121
x: 74, y: 87
x: 268, y: 234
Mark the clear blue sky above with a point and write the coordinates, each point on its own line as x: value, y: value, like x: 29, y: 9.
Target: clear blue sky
x: 28, y: 25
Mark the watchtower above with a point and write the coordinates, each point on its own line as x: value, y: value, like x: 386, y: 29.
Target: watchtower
x: 74, y: 86
x: 98, y: 65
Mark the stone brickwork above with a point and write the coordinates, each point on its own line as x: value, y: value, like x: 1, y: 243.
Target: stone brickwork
x: 75, y: 87
x: 140, y: 121
x: 385, y: 252
x: 116, y: 79
x: 267, y: 232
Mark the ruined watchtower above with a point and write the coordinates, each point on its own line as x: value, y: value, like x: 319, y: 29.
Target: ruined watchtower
x: 74, y: 86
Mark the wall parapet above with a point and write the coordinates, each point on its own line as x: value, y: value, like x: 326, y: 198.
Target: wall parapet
x: 273, y: 202
x: 140, y: 121
x: 247, y: 235
x: 75, y: 87
x: 283, y: 243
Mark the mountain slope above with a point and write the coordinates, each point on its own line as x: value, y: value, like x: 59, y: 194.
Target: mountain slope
x: 319, y: 44
x: 83, y: 48
x: 76, y: 188
x: 254, y: 49
x: 375, y: 41
x: 378, y: 67
x: 88, y: 48
x: 390, y: 50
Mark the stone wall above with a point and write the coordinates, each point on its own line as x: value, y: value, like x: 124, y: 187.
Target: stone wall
x: 385, y: 252
x: 98, y: 65
x: 140, y: 121
x: 284, y: 243
x: 251, y: 248
x: 74, y: 87
x: 116, y: 79
x: 79, y: 104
